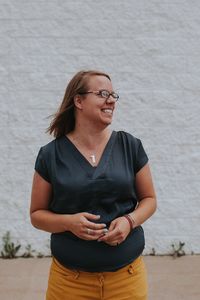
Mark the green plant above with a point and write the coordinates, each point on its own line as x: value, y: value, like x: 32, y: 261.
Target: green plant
x: 178, y: 250
x: 40, y: 255
x: 29, y: 252
x: 153, y: 253
x: 9, y: 248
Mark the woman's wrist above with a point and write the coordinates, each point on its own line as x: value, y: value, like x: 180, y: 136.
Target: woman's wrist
x: 65, y: 222
x: 131, y: 221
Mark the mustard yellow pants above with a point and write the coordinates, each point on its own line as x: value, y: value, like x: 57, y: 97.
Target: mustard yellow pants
x: 128, y: 283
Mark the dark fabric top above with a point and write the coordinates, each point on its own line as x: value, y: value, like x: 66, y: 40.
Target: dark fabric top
x: 107, y: 190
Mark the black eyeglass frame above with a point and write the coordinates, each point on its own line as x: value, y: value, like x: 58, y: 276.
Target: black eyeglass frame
x: 99, y: 93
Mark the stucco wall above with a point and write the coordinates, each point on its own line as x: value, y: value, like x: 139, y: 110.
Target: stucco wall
x: 151, y: 50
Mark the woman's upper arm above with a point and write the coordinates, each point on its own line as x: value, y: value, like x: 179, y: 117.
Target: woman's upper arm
x: 41, y: 193
x: 144, y: 183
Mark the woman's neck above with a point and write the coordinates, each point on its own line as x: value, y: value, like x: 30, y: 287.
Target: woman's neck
x: 90, y: 137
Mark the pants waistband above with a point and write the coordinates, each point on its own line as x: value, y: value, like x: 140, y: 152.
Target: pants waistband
x: 77, y: 273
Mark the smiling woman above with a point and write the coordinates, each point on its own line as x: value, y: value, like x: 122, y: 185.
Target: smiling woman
x: 92, y: 189
x: 95, y: 107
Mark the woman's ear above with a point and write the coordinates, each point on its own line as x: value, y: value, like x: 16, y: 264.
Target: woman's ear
x: 78, y: 101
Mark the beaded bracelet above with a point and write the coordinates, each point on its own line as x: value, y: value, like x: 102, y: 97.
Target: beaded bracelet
x: 130, y: 220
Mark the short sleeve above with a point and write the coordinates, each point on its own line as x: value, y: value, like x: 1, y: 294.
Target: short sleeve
x: 141, y: 157
x: 41, y: 166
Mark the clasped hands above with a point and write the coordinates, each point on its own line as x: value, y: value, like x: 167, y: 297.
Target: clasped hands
x: 84, y: 227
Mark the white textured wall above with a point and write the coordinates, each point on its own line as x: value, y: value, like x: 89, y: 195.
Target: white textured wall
x: 151, y: 50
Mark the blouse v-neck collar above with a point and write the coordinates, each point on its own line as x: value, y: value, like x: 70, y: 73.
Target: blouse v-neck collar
x: 92, y: 171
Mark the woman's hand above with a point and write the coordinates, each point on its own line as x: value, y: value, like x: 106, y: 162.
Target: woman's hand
x: 82, y: 226
x: 117, y: 233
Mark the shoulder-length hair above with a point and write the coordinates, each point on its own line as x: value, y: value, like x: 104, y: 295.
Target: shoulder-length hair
x: 64, y: 119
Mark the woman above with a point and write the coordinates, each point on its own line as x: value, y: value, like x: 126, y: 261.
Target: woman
x: 92, y: 189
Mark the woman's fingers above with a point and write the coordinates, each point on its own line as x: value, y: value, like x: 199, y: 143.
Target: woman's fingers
x: 84, y: 226
x: 91, y: 216
x: 110, y: 236
x: 95, y: 234
x: 114, y: 244
x: 94, y: 226
x: 113, y: 225
x: 118, y: 231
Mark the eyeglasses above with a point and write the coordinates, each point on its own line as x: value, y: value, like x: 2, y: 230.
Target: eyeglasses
x: 103, y: 94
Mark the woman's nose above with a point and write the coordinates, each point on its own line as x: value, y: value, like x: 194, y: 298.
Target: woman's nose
x: 110, y: 99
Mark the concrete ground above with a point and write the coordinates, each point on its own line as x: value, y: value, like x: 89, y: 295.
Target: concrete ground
x: 169, y: 278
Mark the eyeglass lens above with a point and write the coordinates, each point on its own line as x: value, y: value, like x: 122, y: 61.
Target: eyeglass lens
x: 106, y: 94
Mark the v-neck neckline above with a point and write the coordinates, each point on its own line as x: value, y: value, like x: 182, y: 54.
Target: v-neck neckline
x: 93, y: 171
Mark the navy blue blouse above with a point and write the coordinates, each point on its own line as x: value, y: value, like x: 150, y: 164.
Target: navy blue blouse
x: 107, y: 190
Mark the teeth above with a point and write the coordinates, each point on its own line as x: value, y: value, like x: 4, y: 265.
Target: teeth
x: 107, y: 111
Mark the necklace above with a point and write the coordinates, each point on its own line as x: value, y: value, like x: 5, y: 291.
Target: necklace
x: 83, y: 149
x: 93, y: 158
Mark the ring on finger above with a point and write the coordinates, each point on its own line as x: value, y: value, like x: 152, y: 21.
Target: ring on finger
x: 88, y: 231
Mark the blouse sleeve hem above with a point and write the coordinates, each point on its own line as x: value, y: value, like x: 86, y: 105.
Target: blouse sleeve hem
x: 43, y: 176
x: 142, y: 164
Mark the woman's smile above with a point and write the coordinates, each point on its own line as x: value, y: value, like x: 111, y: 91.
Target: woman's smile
x: 107, y: 111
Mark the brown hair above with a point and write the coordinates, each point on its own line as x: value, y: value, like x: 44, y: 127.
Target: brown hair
x: 64, y: 119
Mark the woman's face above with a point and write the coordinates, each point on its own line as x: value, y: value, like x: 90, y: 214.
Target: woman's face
x: 94, y: 107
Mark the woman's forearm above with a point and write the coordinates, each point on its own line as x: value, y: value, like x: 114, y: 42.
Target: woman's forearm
x: 49, y: 221
x: 144, y: 210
